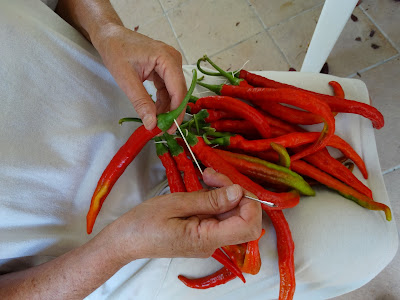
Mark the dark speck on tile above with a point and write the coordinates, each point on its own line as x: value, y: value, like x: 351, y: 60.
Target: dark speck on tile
x: 375, y: 46
x: 372, y: 33
x: 354, y: 18
x: 358, y: 39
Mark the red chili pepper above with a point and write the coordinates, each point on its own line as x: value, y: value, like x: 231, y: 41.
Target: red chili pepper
x: 127, y: 153
x: 236, y: 253
x: 210, y: 158
x: 290, y: 140
x: 337, y: 89
x: 285, y: 247
x: 262, y: 97
x: 336, y: 104
x: 296, y: 116
x: 213, y: 114
x: 269, y: 172
x: 174, y: 177
x: 222, y: 276
x: 243, y: 127
x: 115, y: 168
x: 238, y: 107
x: 346, y: 191
x: 252, y: 259
x: 192, y: 184
x: 220, y: 256
x: 325, y: 162
x: 184, y: 164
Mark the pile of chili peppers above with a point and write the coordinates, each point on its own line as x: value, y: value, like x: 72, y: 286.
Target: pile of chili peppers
x: 247, y: 133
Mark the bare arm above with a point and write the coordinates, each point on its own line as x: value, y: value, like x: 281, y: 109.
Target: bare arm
x: 130, y: 57
x: 188, y: 225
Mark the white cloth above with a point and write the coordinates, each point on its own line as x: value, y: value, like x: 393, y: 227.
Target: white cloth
x: 59, y: 129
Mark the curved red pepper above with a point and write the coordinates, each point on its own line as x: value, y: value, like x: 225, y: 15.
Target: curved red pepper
x: 127, y: 153
x: 285, y: 247
x: 222, y: 276
x: 252, y: 259
x: 115, y: 168
x: 336, y: 104
x: 174, y: 177
x: 239, y: 108
x: 211, y: 159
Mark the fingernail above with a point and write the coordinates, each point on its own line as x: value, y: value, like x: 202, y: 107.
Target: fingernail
x: 232, y: 193
x: 211, y: 170
x: 148, y: 122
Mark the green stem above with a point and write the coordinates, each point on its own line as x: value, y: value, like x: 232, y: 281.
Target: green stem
x: 174, y: 148
x: 232, y: 79
x: 212, y: 87
x: 165, y: 120
x: 160, y: 147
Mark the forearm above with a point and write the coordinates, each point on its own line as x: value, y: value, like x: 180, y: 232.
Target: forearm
x: 88, y: 16
x: 73, y: 275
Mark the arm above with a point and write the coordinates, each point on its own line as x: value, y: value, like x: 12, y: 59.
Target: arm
x: 188, y: 225
x: 130, y: 57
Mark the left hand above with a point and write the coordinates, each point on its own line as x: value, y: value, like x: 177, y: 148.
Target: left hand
x: 133, y: 58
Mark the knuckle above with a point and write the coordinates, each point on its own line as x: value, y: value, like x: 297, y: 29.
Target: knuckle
x: 213, y: 200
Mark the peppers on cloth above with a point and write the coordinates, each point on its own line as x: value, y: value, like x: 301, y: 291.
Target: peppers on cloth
x: 126, y: 155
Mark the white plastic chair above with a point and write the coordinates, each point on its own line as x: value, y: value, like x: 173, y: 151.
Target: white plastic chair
x: 331, y: 22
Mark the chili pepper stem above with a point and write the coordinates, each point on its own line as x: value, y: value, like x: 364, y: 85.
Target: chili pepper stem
x: 165, y: 120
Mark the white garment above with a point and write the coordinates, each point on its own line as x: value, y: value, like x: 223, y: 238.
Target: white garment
x: 59, y: 121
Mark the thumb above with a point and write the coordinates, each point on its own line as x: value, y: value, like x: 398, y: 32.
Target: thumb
x: 210, y: 202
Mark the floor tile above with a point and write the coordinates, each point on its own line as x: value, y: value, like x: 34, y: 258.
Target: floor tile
x: 207, y: 27
x: 273, y: 12
x: 137, y: 13
x: 386, y: 14
x: 168, y: 4
x: 260, y: 51
x: 356, y: 49
x: 385, y: 286
x: 159, y: 29
x: 353, y: 51
x: 294, y: 35
x: 383, y: 86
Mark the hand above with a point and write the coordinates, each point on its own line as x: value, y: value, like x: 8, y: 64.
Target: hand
x: 187, y: 224
x: 133, y: 58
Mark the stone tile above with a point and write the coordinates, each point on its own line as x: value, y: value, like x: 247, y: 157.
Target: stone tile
x: 348, y: 56
x: 386, y: 14
x: 137, y: 13
x: 294, y: 36
x: 385, y: 286
x: 169, y: 4
x: 207, y: 27
x: 260, y: 51
x: 273, y: 12
x: 383, y: 86
x: 159, y: 29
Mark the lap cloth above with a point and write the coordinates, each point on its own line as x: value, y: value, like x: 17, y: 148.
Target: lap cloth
x: 59, y: 121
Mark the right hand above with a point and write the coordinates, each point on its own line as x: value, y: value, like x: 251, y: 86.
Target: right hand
x: 187, y: 224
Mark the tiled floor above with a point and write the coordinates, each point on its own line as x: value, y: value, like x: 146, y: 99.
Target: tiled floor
x: 274, y: 35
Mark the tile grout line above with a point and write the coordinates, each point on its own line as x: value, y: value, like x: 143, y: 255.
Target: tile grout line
x: 268, y: 33
x: 173, y: 30
x: 374, y: 65
x: 285, y: 21
x: 391, y: 170
x: 292, y: 17
x: 380, y: 29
